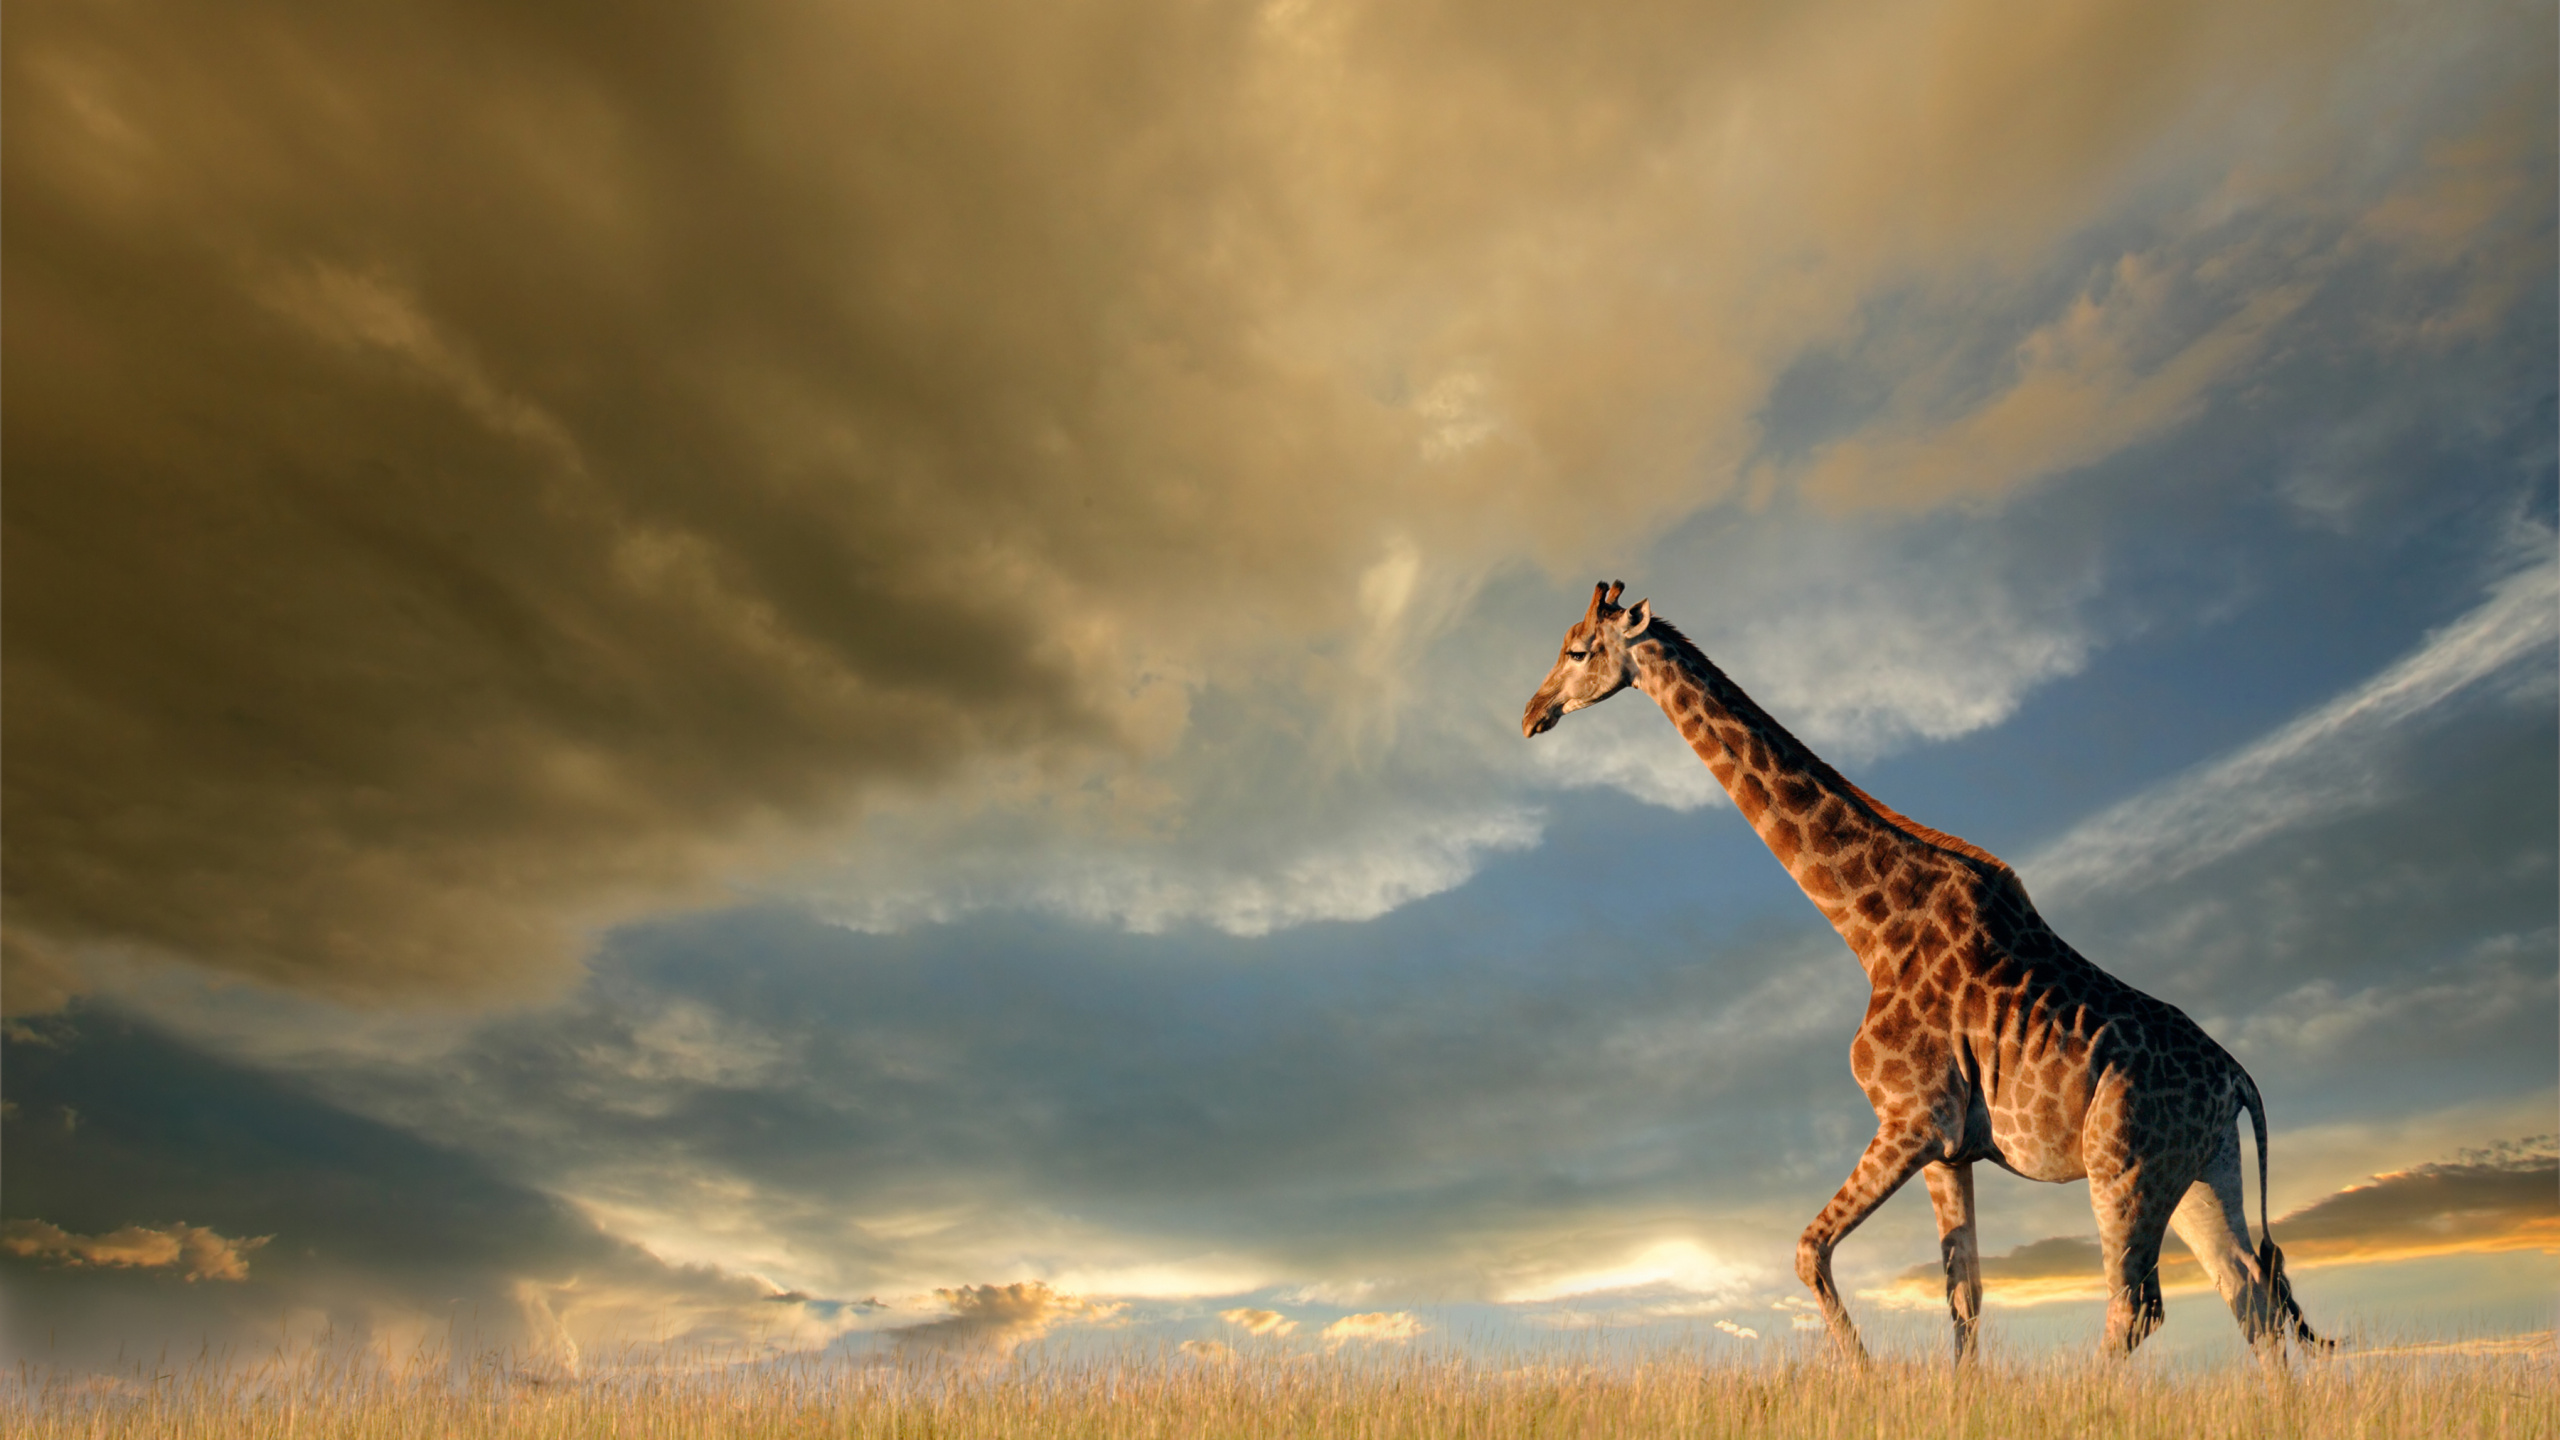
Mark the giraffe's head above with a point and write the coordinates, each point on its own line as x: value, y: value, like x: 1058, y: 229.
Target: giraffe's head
x: 1597, y: 662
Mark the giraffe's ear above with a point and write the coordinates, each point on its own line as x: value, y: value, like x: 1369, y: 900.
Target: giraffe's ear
x: 1637, y: 619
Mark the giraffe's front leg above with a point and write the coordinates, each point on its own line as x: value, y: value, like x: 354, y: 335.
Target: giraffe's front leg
x: 1892, y: 1157
x: 1951, y: 1196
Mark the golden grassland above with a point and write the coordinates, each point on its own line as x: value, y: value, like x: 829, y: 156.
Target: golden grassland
x: 2411, y: 1391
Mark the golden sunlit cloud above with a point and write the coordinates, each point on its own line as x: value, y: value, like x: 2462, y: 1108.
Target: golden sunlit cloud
x: 1671, y: 1264
x: 1376, y: 1327
x: 1260, y: 1322
x: 202, y: 1254
x: 999, y: 1319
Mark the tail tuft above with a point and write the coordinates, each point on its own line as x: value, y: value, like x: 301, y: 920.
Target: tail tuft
x: 2282, y: 1309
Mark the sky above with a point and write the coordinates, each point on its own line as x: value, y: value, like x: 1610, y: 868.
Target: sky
x: 789, y: 678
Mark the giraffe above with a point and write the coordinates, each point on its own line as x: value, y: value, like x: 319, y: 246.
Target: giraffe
x: 1987, y: 1037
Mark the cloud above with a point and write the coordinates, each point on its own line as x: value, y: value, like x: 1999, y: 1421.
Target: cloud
x: 204, y: 1254
x: 475, y: 479
x: 1626, y: 747
x: 1380, y: 1327
x: 632, y: 1302
x: 364, y: 1234
x: 2320, y: 765
x: 1382, y: 857
x: 1671, y: 1264
x: 2079, y: 391
x: 1866, y: 640
x: 1641, y: 1305
x: 2538, y: 1344
x: 648, y: 1067
x: 1000, y: 1319
x: 2501, y: 977
x: 1893, y: 640
x: 1802, y: 1314
x: 1260, y: 1322
x: 2504, y: 1199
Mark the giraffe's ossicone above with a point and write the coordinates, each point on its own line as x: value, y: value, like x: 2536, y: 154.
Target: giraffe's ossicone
x: 1987, y: 1037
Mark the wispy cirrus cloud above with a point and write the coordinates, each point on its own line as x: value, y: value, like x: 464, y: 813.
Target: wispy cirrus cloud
x: 1376, y: 1327
x: 2317, y: 766
x: 2080, y: 389
x: 1374, y: 857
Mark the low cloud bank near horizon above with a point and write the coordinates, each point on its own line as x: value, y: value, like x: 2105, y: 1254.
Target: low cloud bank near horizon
x: 1259, y: 1323
x: 1375, y: 1327
x: 1000, y: 1319
x: 478, y: 477
x: 324, y: 1228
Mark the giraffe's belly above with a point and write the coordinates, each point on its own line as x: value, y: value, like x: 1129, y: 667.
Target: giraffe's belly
x: 2037, y: 1135
x: 2037, y: 1159
x: 2037, y: 1076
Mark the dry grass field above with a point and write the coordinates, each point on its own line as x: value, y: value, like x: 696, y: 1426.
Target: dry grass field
x: 2414, y: 1391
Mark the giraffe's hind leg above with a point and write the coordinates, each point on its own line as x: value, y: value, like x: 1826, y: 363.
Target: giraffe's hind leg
x: 1891, y: 1159
x: 2213, y: 1221
x: 1951, y: 1196
x: 2133, y: 1218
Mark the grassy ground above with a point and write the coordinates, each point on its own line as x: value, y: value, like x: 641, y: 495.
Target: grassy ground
x: 1409, y: 1395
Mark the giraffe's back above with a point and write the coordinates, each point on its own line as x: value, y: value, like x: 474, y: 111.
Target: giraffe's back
x: 2026, y: 1052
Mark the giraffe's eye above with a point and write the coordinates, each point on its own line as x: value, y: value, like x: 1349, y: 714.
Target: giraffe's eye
x: 1578, y: 654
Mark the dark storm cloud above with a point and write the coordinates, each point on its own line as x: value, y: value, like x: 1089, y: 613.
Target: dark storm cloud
x: 463, y: 464
x: 475, y: 474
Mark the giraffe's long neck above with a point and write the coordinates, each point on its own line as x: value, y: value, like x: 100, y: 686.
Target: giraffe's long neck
x: 1841, y: 845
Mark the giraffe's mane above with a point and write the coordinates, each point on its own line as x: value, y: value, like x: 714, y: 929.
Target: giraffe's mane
x: 1687, y: 649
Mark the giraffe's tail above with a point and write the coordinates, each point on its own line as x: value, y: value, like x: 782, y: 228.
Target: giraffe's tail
x: 2282, y: 1311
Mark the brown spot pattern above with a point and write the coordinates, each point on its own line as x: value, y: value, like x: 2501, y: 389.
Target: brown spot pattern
x: 1751, y: 798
